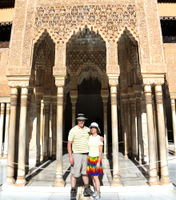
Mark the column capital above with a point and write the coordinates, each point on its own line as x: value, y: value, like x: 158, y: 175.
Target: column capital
x: 172, y: 95
x: 73, y: 94
x: 8, y: 108
x: 2, y: 109
x: 159, y: 94
x: 54, y: 99
x: 59, y: 81
x: 173, y: 102
x: 113, y: 80
x: 104, y: 94
x: 39, y: 92
x: 148, y: 94
x: 24, y: 96
x: 151, y: 79
x: 19, y: 81
x: 24, y: 91
x: 125, y: 97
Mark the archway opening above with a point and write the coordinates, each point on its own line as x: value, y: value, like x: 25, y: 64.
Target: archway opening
x: 86, y: 79
x: 42, y: 133
x: 130, y: 98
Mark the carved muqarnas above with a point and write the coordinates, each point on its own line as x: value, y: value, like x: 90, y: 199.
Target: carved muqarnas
x: 107, y: 19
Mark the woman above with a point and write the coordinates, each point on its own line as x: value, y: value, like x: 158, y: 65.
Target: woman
x: 94, y: 165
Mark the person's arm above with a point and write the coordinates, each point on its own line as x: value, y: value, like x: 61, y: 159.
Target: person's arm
x: 100, y: 156
x: 101, y: 139
x: 69, y: 148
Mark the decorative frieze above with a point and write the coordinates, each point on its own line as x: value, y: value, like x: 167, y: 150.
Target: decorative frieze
x: 64, y: 19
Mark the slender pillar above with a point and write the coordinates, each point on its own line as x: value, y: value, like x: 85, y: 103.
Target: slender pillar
x: 73, y: 113
x: 54, y: 129
x: 6, y: 130
x: 105, y: 129
x: 104, y: 95
x: 115, y: 144
x: 41, y: 131
x: 73, y: 96
x: 129, y: 131
x: 153, y: 180
x: 2, y: 128
x: 133, y: 125
x: 139, y: 130
x: 161, y: 135
x: 124, y: 101
x: 11, y: 143
x: 174, y: 122
x: 28, y: 130
x: 38, y: 132
x: 46, y: 130
x: 59, y: 182
x: 22, y: 138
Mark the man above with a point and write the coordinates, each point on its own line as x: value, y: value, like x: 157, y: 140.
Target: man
x: 78, y: 143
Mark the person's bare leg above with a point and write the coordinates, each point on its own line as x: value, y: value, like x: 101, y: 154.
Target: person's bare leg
x: 85, y: 179
x: 93, y: 182
x: 73, y: 181
x: 97, y: 183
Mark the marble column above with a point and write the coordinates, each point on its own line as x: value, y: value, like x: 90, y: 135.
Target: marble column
x: 153, y: 179
x: 46, y: 130
x: 11, y: 143
x: 105, y: 128
x: 59, y: 182
x: 38, y: 132
x: 125, y: 128
x: 73, y: 96
x: 6, y: 130
x: 115, y: 142
x: 161, y: 136
x: 104, y: 96
x: 54, y: 129
x: 129, y: 131
x: 139, y: 130
x: 41, y: 131
x: 28, y: 129
x: 133, y: 125
x: 2, y: 128
x: 22, y: 138
x: 174, y: 122
x: 73, y: 113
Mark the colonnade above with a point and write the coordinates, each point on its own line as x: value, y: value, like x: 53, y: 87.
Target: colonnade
x: 132, y: 125
x: 153, y: 139
x: 132, y: 119
x: 132, y: 129
x: 19, y: 133
x: 173, y: 121
x: 4, y: 128
x: 130, y: 104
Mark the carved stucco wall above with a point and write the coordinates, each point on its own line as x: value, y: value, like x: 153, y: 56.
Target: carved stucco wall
x: 62, y: 18
x: 61, y: 21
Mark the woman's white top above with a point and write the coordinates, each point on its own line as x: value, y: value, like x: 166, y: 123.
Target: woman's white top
x: 93, y: 144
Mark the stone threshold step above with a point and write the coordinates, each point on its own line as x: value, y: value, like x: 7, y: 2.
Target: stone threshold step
x: 105, y: 189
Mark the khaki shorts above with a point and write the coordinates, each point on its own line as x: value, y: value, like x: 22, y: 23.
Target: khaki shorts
x: 80, y: 165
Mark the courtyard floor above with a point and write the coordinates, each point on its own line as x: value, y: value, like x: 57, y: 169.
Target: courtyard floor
x: 133, y: 177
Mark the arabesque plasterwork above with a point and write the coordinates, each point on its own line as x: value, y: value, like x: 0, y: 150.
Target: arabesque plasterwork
x: 108, y: 20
